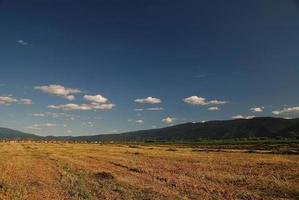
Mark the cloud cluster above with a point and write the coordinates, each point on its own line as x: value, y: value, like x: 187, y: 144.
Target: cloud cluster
x: 38, y: 115
x: 168, y: 120
x: 22, y: 42
x: 243, y: 117
x: 92, y: 106
x: 96, y: 102
x: 88, y: 124
x: 150, y: 100
x: 7, y: 100
x: 70, y: 106
x: 99, y: 102
x: 257, y: 109
x: 25, y: 101
x: 59, y: 90
x: 197, y: 100
x: 286, y: 111
x: 155, y: 109
x: 104, y: 106
x: 96, y: 98
x: 40, y: 126
x: 214, y: 108
x: 56, y: 115
x: 140, y: 121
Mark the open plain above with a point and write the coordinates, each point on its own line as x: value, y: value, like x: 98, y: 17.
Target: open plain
x: 121, y: 171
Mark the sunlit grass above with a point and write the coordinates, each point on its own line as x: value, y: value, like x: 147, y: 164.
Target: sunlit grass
x: 97, y: 171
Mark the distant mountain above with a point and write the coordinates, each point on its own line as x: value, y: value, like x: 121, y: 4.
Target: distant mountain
x: 292, y: 131
x: 227, y: 129
x: 6, y: 133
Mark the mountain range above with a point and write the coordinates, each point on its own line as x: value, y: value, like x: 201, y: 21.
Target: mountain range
x: 226, y: 129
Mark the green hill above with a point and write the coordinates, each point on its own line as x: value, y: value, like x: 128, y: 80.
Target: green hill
x: 10, y: 134
x: 262, y: 127
x: 228, y: 129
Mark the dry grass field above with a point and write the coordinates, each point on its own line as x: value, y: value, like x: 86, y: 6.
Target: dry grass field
x: 111, y: 171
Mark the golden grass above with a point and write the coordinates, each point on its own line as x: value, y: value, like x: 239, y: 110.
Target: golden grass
x: 95, y: 171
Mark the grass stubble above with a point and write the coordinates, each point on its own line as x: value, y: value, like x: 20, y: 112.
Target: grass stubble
x: 116, y: 171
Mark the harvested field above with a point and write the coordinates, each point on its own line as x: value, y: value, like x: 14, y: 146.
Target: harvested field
x: 119, y: 171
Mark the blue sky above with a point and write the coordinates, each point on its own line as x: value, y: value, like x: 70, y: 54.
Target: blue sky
x: 84, y: 67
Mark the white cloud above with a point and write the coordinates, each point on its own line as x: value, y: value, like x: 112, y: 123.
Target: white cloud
x: 213, y: 108
x: 7, y: 100
x: 93, y: 106
x: 168, y: 120
x: 257, y: 109
x: 59, y: 90
x: 64, y: 115
x: 88, y: 124
x: 70, y: 97
x: 22, y: 42
x: 238, y: 117
x: 140, y: 121
x: 71, y: 106
x: 155, y: 109
x: 150, y: 100
x: 40, y: 126
x: 38, y: 115
x: 105, y: 106
x: 197, y: 100
x: 25, y: 101
x: 243, y: 117
x: 56, y: 115
x: 96, y: 98
x: 217, y: 102
x: 285, y: 111
x: 97, y: 102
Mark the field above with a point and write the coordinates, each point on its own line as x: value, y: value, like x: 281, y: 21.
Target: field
x: 123, y: 171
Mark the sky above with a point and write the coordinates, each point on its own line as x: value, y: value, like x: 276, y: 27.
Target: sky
x: 70, y: 67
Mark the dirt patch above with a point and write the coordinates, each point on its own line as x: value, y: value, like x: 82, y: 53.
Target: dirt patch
x: 132, y: 169
x: 3, y: 186
x: 135, y: 170
x: 137, y: 153
x: 104, y: 176
x: 35, y: 184
x: 134, y: 146
x: 134, y: 153
x: 171, y: 149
